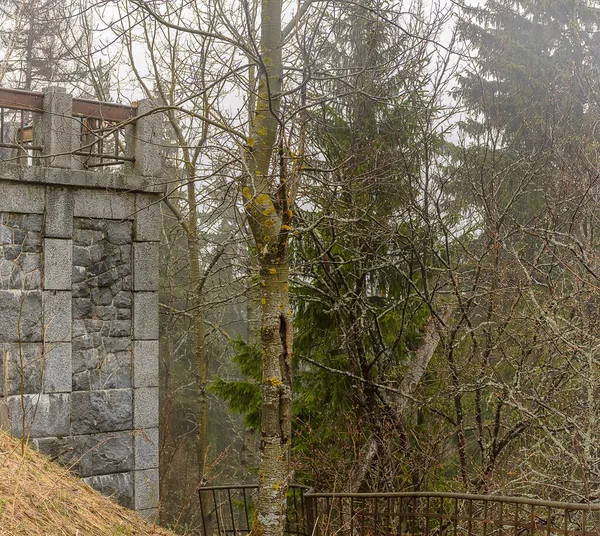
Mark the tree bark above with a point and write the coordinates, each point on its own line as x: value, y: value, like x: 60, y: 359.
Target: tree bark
x: 420, y: 362
x: 269, y: 216
x: 199, y: 346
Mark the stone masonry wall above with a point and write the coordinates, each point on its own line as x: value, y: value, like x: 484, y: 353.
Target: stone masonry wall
x: 82, y: 355
x: 79, y: 315
x: 102, y: 397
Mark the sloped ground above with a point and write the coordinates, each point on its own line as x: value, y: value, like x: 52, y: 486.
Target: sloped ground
x: 38, y: 497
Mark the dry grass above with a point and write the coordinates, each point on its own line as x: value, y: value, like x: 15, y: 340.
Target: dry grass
x: 38, y: 497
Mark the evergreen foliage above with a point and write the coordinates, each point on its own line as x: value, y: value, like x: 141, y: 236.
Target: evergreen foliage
x: 243, y: 396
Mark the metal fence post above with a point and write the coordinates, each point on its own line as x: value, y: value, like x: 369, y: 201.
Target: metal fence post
x: 311, y: 513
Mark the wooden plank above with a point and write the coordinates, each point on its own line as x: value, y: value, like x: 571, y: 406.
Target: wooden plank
x: 21, y: 100
x: 103, y: 110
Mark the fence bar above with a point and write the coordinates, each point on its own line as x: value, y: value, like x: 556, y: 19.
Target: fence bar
x: 31, y: 101
x: 202, y: 515
x: 485, y: 517
x: 311, y: 508
x: 16, y: 99
x: 246, y: 509
x: 104, y: 111
x: 231, y: 511
x: 389, y: 511
x: 216, y: 511
x: 469, y: 497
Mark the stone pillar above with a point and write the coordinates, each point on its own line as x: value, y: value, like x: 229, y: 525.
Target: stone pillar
x: 143, y: 142
x: 145, y: 352
x: 9, y: 135
x: 54, y: 128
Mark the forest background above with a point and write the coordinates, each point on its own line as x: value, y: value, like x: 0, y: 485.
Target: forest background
x: 408, y: 191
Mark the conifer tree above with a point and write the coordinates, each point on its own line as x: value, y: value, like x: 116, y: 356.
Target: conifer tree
x: 535, y: 71
x: 525, y: 177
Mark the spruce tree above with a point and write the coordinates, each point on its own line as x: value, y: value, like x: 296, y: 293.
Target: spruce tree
x: 534, y: 77
x: 526, y: 177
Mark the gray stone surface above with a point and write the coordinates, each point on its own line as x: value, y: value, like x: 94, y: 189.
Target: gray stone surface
x: 146, y: 449
x: 59, y: 449
x: 105, y: 453
x: 58, y: 368
x: 21, y: 370
x: 147, y: 218
x: 146, y: 489
x: 145, y: 363
x: 9, y: 135
x: 97, y: 369
x: 95, y: 454
x: 145, y: 315
x: 145, y: 411
x: 102, y: 302
x: 58, y: 264
x: 33, y: 368
x: 101, y: 411
x: 103, y: 205
x: 57, y: 315
x: 20, y: 316
x: 77, y: 161
x: 20, y: 251
x: 143, y: 140
x: 145, y: 267
x: 150, y: 515
x: 45, y: 414
x: 33, y: 177
x: 116, y: 485
x: 21, y: 198
x: 54, y: 129
x: 4, y: 416
x: 59, y: 213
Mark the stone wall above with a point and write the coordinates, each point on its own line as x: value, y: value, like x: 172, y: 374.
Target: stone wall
x: 79, y: 317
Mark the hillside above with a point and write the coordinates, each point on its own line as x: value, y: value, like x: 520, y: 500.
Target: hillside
x: 38, y: 497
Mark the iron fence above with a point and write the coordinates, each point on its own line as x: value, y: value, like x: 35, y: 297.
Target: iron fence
x: 229, y: 510
x: 99, y: 137
x: 449, y: 514
x: 395, y: 514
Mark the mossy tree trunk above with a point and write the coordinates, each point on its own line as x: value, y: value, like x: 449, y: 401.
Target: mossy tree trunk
x: 269, y: 215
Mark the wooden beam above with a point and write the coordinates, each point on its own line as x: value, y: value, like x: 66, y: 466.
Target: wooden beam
x: 15, y: 99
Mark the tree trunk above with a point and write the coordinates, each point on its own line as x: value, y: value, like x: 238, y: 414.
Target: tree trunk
x: 199, y: 346
x: 269, y: 215
x: 276, y: 339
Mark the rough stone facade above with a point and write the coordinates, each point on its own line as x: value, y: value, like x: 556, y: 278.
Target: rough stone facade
x: 79, y: 313
x: 102, y: 305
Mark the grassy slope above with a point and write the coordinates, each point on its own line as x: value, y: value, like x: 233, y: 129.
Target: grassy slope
x: 38, y: 497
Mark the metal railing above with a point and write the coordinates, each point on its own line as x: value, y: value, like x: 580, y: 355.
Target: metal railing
x: 98, y: 129
x: 230, y: 510
x: 452, y: 514
x: 395, y: 514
